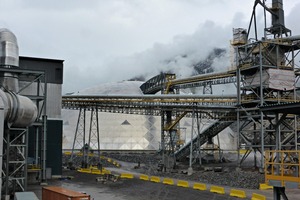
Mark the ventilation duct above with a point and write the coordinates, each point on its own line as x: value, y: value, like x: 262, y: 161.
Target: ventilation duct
x: 9, y: 58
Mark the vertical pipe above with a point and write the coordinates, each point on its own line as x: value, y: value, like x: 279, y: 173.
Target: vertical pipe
x: 162, y: 142
x: 192, y: 136
x: 199, y: 132
x: 36, y: 145
x: 90, y: 134
x: 238, y: 92
x: 83, y: 146
x: 255, y: 26
x: 44, y: 139
x: 7, y: 163
x: 26, y: 156
x: 277, y: 148
x: 37, y: 128
x: 98, y: 135
x: 265, y: 20
x: 1, y: 141
x: 295, y: 99
x: 44, y: 143
x: 262, y: 135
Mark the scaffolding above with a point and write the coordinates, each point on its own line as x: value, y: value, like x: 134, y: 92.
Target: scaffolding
x: 265, y: 76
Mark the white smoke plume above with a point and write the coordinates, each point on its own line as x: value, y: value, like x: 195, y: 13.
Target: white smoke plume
x: 179, y: 56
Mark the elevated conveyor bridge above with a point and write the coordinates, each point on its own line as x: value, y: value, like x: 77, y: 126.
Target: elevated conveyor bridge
x: 171, y: 108
x: 164, y: 82
x: 145, y: 104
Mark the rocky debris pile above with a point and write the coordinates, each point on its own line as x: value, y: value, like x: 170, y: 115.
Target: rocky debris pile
x: 136, y: 158
x: 77, y: 161
x: 228, y: 175
x: 232, y: 178
x: 224, y: 174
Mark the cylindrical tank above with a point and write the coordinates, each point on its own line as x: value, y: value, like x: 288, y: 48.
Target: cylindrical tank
x: 9, y: 50
x: 9, y: 58
x: 20, y: 111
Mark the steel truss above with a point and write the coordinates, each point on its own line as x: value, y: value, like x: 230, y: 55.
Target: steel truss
x: 14, y: 160
x: 93, y: 144
x: 260, y: 130
x: 257, y: 129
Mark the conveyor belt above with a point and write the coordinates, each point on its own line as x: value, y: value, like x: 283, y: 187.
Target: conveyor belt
x: 143, y: 104
x: 161, y: 81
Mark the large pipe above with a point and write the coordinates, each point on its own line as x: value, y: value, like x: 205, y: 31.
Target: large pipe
x: 9, y: 58
x: 15, y: 110
x: 19, y: 111
x: 278, y: 18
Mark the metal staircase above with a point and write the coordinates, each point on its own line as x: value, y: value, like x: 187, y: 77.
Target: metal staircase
x: 209, y: 132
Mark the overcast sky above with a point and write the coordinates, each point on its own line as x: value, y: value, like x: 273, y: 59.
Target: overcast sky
x: 113, y: 40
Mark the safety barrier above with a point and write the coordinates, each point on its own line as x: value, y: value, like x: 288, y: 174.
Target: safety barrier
x: 237, y: 193
x: 168, y: 181
x: 95, y: 171
x: 182, y: 183
x: 265, y: 186
x: 115, y: 163
x: 256, y: 196
x: 217, y: 189
x: 144, y: 177
x: 155, y: 179
x: 84, y: 170
x: 126, y: 175
x: 199, y: 186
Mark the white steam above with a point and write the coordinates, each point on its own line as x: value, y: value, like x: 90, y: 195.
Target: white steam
x: 178, y: 56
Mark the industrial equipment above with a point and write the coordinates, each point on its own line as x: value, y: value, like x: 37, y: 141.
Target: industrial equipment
x: 16, y: 114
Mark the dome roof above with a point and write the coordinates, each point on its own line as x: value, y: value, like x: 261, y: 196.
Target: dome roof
x: 122, y: 87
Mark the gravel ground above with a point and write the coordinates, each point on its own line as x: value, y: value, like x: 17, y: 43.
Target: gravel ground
x: 229, y: 175
x: 128, y: 189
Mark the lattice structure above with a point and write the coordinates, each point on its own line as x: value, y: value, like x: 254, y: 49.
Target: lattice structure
x: 14, y: 160
x: 94, y: 138
x: 265, y: 71
x: 80, y: 143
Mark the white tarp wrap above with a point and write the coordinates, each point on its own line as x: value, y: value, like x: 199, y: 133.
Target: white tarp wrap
x: 277, y: 79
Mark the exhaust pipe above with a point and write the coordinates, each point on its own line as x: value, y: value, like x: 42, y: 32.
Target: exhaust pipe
x: 9, y: 58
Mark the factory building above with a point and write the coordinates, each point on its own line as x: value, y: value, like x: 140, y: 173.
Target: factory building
x: 53, y: 69
x: 30, y: 114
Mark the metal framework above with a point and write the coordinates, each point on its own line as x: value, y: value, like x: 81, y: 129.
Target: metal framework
x: 167, y: 81
x: 255, y: 61
x: 282, y: 170
x: 258, y: 127
x: 80, y: 144
x: 172, y: 108
x: 14, y: 160
x: 15, y: 140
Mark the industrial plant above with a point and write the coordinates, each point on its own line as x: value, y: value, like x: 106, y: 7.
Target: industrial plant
x: 160, y: 130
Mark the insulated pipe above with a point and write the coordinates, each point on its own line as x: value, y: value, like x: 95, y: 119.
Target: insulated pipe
x: 19, y: 111
x: 9, y: 50
x: 9, y: 58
